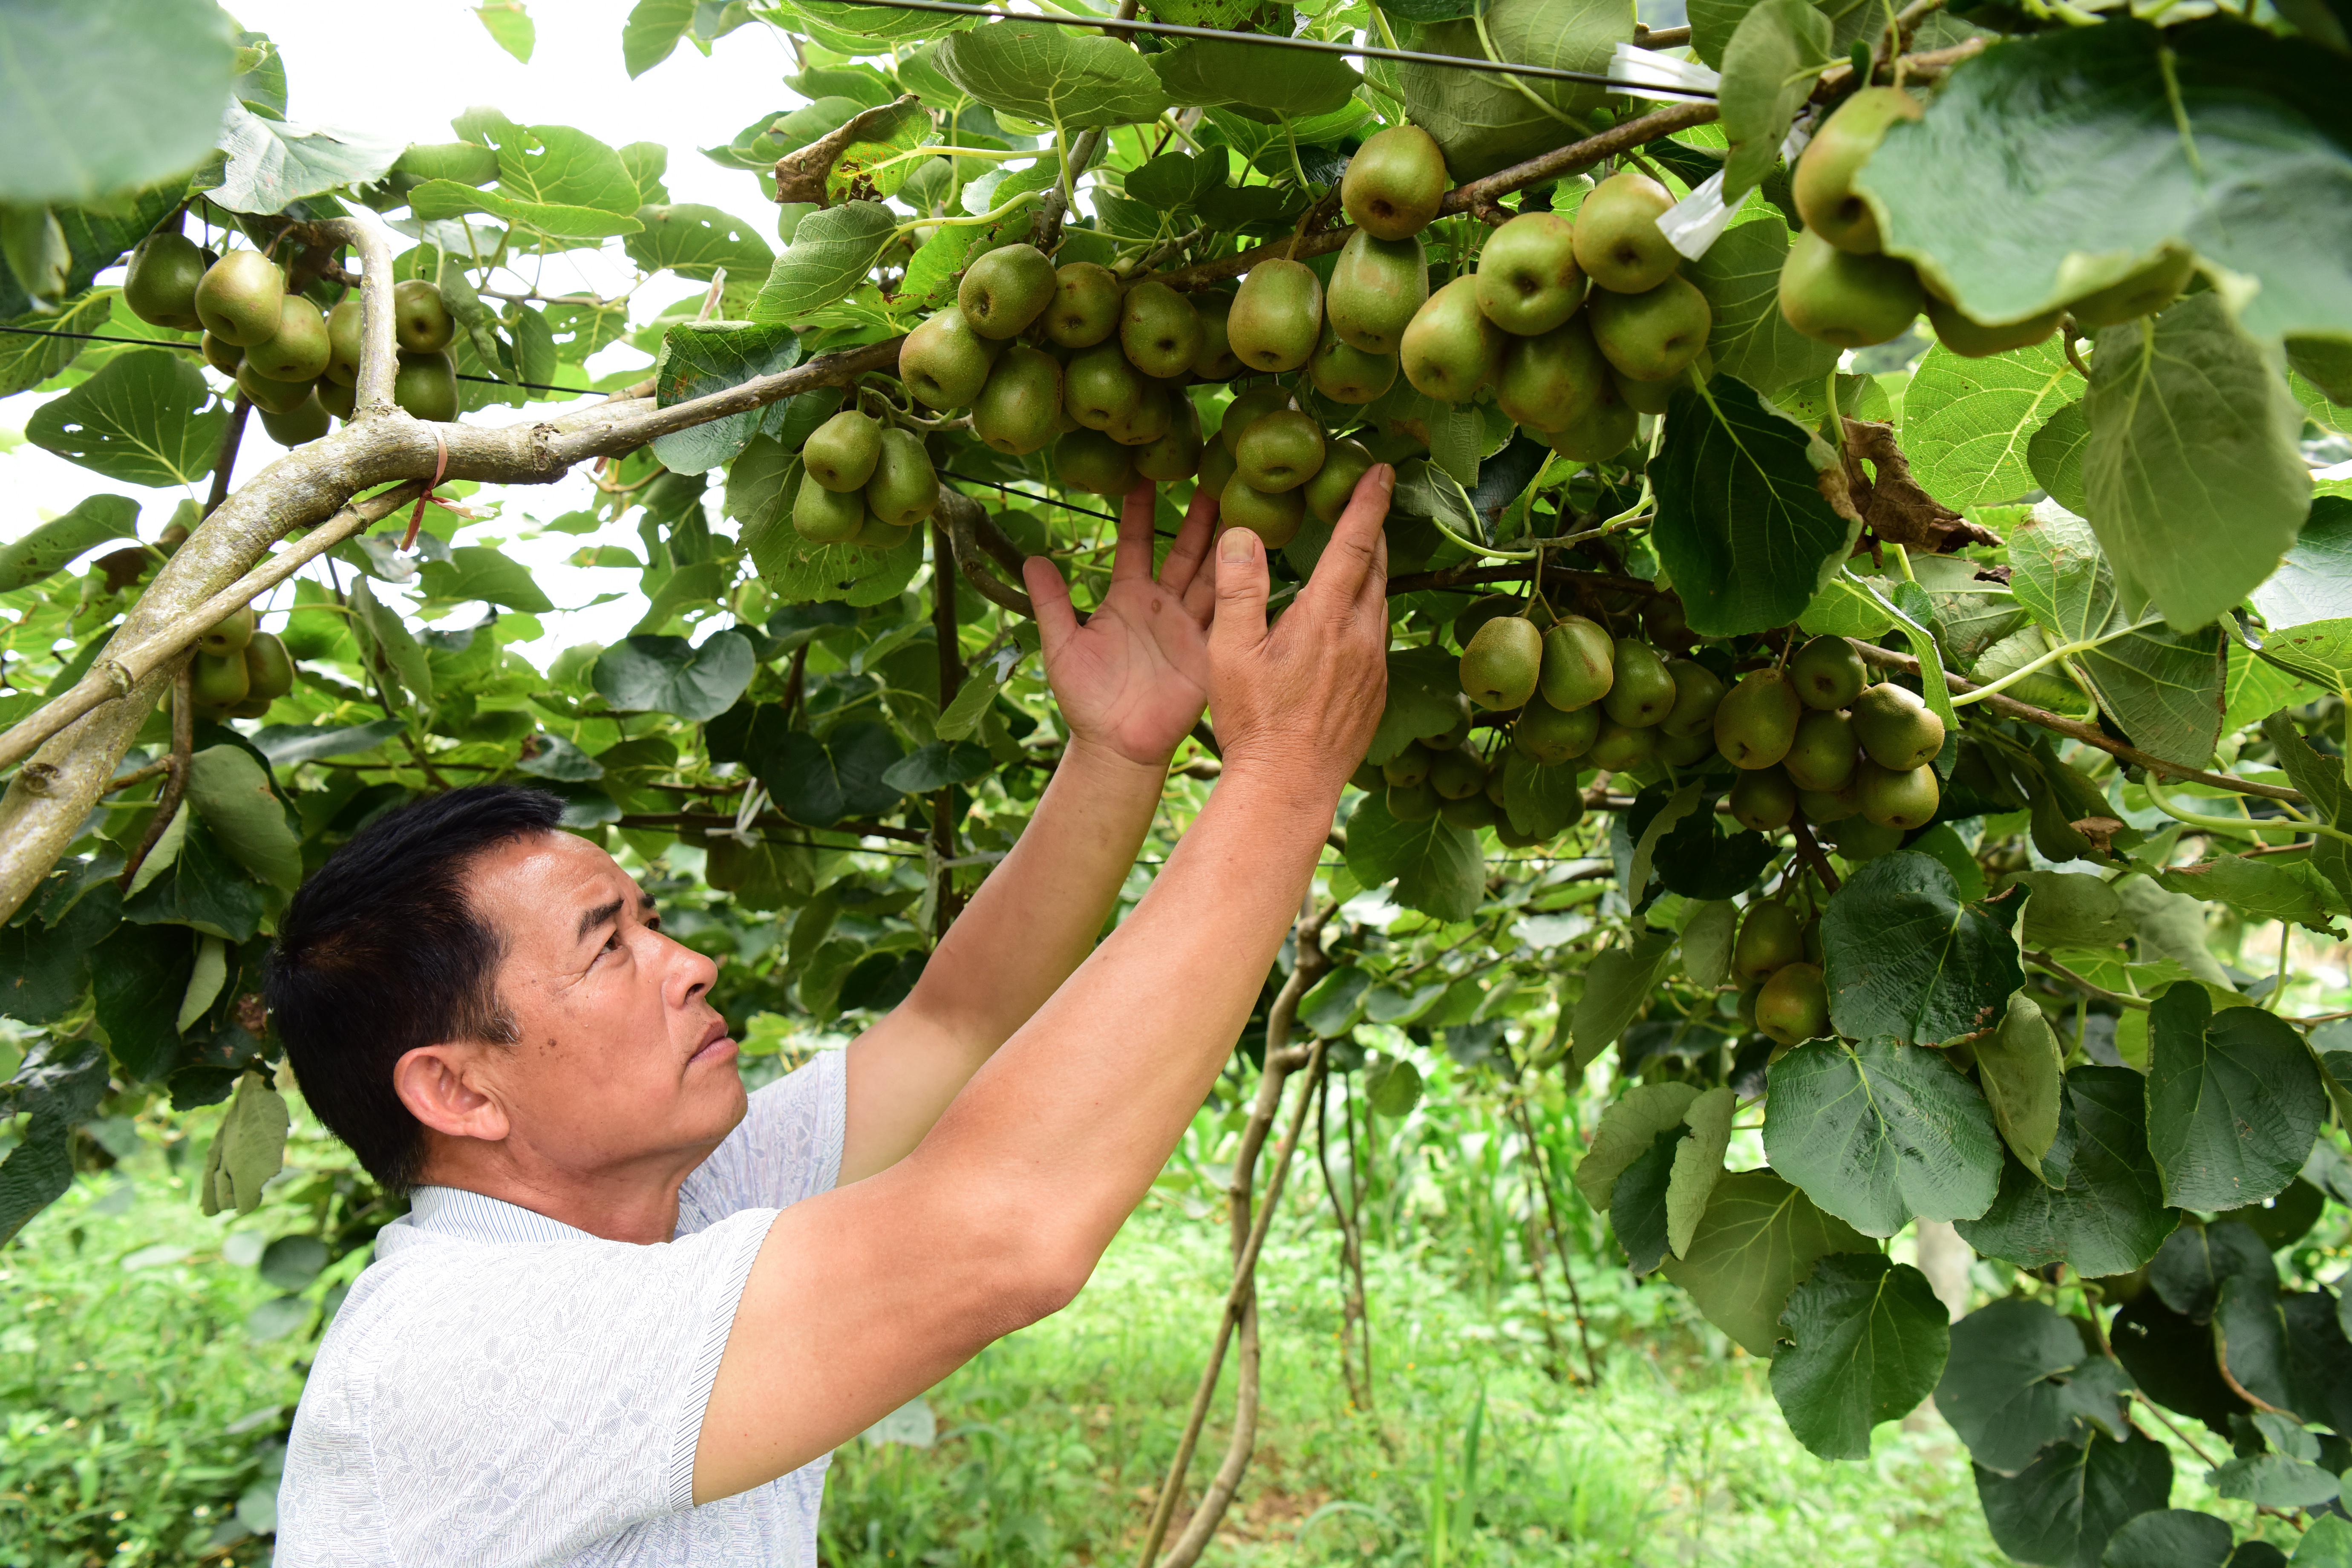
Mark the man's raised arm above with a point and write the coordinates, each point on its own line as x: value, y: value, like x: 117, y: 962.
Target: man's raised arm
x: 864, y: 1296
x: 1130, y: 685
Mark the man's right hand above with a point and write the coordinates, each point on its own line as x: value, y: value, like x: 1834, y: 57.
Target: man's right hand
x: 1307, y: 694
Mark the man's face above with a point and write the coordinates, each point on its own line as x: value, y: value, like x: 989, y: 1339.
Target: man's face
x: 620, y: 1059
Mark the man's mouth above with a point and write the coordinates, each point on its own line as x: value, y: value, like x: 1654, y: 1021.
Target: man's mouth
x: 715, y: 1043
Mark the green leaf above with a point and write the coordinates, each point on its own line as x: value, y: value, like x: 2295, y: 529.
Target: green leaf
x: 696, y: 241
x: 231, y: 790
x: 45, y: 966
x: 2326, y: 1544
x: 1867, y: 1340
x: 1437, y: 867
x: 669, y: 675
x: 1175, y: 181
x: 2167, y: 1538
x: 147, y: 418
x: 2321, y: 782
x: 1907, y: 958
x: 1276, y: 81
x: 2275, y: 888
x: 478, y: 571
x: 1484, y: 121
x: 2108, y: 1216
x: 27, y: 360
x: 652, y: 31
x: 1743, y: 527
x: 2019, y: 1068
x: 2164, y: 688
x: 2067, y: 908
x: 56, y: 1088
x: 1699, y: 1164
x: 1539, y: 800
x: 1617, y: 986
x: 1052, y: 75
x: 2062, y: 1507
x: 2021, y: 1378
x: 2273, y: 1481
x: 1758, y: 1238
x: 2054, y: 455
x: 819, y: 782
x: 204, y: 890
x: 2233, y: 1101
x: 830, y: 255
x: 2063, y: 164
x: 1878, y: 1132
x: 2313, y: 582
x: 939, y: 765
x: 138, y: 976
x: 1637, y: 1205
x: 65, y: 538
x: 510, y: 26
x: 1425, y: 698
x: 1775, y: 55
x: 2197, y: 485
x: 702, y: 357
x: 248, y: 1148
x: 97, y: 102
x: 1626, y: 1130
x: 273, y: 163
x: 437, y: 199
x: 397, y: 654
x: 1332, y: 1007
x: 1968, y: 422
x: 1751, y: 340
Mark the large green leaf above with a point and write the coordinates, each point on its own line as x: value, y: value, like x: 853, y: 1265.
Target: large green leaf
x: 2166, y: 689
x: 479, y: 571
x: 147, y: 418
x: 1259, y: 76
x: 1742, y: 526
x: 1758, y: 1238
x: 820, y: 781
x: 57, y: 1087
x: 139, y: 976
x: 274, y: 162
x: 1751, y: 340
x: 2021, y: 1378
x: 2020, y: 1066
x: 96, y: 238
x: 1617, y: 986
x: 1436, y: 866
x: 2061, y: 1510
x: 1966, y: 423
x: 1052, y: 75
x: 230, y: 790
x: 2275, y: 888
x: 696, y: 241
x: 2105, y: 1213
x: 1541, y: 801
x: 1867, y: 1340
x: 1637, y: 1208
x: 2234, y: 1100
x: 28, y: 359
x: 2321, y: 780
x: 1484, y: 121
x: 2196, y: 484
x: 2167, y: 1538
x: 830, y: 255
x: 1909, y: 958
x: 45, y: 967
x: 668, y: 675
x: 652, y: 31
x: 702, y: 357
x: 2061, y: 162
x: 1626, y: 1129
x: 64, y: 539
x: 94, y: 100
x: 1878, y: 1132
x: 1715, y: 22
x: 1769, y: 68
x: 1699, y: 1164
x: 2313, y: 582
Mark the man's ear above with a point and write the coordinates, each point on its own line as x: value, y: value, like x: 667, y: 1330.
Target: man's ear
x: 442, y: 1088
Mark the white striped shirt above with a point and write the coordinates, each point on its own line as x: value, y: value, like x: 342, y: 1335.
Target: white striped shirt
x: 501, y: 1389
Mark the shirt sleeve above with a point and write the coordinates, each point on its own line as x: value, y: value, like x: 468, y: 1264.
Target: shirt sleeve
x: 525, y: 1403
x: 788, y: 1147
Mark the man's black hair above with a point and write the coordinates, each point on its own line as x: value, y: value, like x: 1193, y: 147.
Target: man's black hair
x: 379, y: 953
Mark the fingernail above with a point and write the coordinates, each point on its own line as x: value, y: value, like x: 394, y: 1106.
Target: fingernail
x: 1236, y: 545
x: 1384, y: 476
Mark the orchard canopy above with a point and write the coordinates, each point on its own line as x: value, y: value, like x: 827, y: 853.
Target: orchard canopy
x: 1872, y: 606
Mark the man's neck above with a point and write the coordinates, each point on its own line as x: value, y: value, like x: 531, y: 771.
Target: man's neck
x: 631, y: 1203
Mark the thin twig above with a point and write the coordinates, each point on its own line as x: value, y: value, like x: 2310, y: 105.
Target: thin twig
x: 175, y: 781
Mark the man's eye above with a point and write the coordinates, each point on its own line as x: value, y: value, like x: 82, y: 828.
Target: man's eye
x: 613, y: 942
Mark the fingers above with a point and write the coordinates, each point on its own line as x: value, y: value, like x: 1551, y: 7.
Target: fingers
x: 1372, y: 599
x: 1350, y: 559
x: 1239, y: 623
x: 1133, y: 556
x: 1056, y: 622
x: 1191, y: 546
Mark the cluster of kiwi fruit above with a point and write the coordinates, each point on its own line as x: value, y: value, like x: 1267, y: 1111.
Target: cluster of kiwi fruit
x: 864, y: 482
x: 1839, y: 285
x: 297, y: 363
x: 238, y: 670
x: 1777, y: 959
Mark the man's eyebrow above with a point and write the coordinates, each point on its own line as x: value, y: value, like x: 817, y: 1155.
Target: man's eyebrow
x: 646, y: 910
x: 598, y: 916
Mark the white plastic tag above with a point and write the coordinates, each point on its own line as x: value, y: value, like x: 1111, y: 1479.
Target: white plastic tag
x: 1698, y: 220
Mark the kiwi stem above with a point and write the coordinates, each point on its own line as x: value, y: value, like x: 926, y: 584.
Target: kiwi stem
x: 1812, y: 851
x: 224, y: 460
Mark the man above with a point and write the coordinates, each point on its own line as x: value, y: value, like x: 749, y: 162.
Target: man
x: 629, y: 1316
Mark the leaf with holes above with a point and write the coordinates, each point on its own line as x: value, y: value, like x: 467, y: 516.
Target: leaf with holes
x: 147, y: 418
x: 1052, y: 75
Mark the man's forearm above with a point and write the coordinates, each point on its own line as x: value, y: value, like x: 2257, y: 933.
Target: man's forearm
x: 1032, y: 921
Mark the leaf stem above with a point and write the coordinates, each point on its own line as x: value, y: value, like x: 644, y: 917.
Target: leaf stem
x: 2063, y: 650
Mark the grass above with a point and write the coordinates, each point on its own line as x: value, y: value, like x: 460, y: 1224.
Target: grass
x: 143, y: 1419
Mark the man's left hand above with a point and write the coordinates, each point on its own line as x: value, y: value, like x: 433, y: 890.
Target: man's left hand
x: 1134, y: 679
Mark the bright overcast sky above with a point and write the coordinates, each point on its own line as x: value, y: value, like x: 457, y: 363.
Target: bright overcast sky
x: 405, y: 71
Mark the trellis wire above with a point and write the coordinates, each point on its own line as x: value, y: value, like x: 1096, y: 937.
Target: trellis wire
x: 198, y: 348
x: 1313, y: 46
